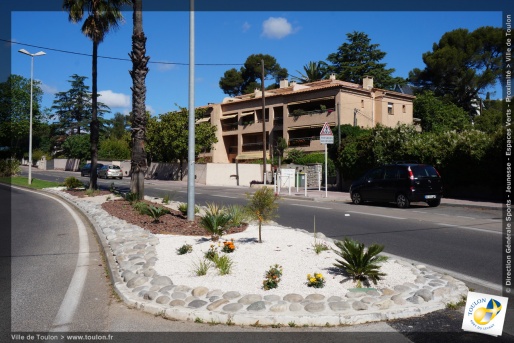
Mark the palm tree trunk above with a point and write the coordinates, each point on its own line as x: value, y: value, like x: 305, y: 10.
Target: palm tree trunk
x: 138, y: 74
x: 95, y: 127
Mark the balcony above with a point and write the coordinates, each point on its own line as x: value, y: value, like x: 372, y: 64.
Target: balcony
x: 229, y: 127
x: 302, y: 141
x: 252, y: 146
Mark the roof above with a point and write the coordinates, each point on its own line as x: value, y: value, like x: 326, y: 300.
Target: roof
x: 295, y: 88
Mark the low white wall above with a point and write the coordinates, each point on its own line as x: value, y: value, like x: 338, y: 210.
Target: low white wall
x: 224, y: 174
x: 69, y: 164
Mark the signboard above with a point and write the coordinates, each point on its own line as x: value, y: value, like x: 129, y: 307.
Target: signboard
x: 326, y: 136
x: 287, y: 175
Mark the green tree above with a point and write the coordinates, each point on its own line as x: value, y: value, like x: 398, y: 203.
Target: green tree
x: 73, y: 108
x: 139, y: 115
x: 313, y: 71
x: 247, y: 79
x: 114, y: 148
x: 77, y: 146
x: 262, y: 206
x: 118, y: 126
x: 462, y: 65
x: 438, y: 115
x: 15, y: 112
x: 102, y: 17
x: 358, y: 58
x: 491, y: 116
x: 168, y: 136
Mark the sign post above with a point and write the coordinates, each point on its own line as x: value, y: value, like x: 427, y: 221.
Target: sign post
x: 326, y: 137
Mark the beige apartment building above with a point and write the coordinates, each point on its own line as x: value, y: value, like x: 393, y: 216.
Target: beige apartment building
x: 297, y: 112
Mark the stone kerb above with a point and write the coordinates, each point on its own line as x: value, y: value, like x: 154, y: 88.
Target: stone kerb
x: 133, y: 255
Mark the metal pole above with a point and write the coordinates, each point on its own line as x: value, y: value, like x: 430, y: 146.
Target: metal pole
x: 30, y: 125
x: 339, y: 125
x: 326, y: 175
x: 191, y: 126
x: 263, y: 123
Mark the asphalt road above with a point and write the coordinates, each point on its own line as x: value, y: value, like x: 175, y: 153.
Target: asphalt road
x: 463, y: 240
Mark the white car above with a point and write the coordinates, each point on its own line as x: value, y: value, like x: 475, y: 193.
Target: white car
x: 110, y: 171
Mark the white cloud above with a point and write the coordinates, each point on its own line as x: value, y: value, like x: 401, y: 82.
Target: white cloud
x: 276, y: 28
x: 246, y: 26
x: 150, y: 109
x: 165, y: 66
x: 112, y: 99
x: 47, y: 89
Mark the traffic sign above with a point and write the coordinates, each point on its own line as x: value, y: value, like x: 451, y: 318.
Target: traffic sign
x: 326, y: 136
x: 325, y: 131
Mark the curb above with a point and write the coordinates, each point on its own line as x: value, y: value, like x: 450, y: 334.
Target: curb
x: 122, y: 272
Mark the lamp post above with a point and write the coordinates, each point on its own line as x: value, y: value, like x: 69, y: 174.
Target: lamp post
x: 41, y: 53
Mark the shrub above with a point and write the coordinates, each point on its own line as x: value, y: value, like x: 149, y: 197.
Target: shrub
x: 272, y: 277
x: 185, y: 249
x: 212, y: 253
x: 215, y: 224
x: 316, y: 280
x: 359, y: 263
x: 9, y: 168
x: 262, y: 206
x: 72, y: 182
x: 131, y: 197
x: 228, y: 247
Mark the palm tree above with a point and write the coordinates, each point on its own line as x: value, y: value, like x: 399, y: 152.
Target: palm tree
x: 314, y: 71
x: 359, y: 263
x: 102, y: 16
x: 139, y: 116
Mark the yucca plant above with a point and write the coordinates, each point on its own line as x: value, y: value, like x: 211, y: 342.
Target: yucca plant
x: 239, y: 215
x: 182, y: 207
x: 215, y: 224
x: 214, y: 209
x: 140, y: 206
x: 358, y: 262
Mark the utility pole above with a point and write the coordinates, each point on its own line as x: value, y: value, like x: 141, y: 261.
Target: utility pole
x: 263, y: 124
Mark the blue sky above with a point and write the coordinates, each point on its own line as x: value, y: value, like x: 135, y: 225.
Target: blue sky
x: 226, y: 38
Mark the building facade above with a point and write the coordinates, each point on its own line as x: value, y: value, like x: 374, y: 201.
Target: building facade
x: 297, y: 112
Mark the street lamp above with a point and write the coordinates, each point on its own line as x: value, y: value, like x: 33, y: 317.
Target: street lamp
x: 41, y: 53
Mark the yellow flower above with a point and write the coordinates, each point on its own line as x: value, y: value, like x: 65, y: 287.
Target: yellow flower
x: 318, y: 276
x: 312, y: 280
x: 308, y: 276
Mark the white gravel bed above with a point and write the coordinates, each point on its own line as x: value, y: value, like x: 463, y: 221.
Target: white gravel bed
x: 290, y: 248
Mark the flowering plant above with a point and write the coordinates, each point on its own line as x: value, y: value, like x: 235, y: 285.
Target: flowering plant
x: 272, y: 277
x: 316, y: 280
x: 212, y: 253
x: 228, y: 246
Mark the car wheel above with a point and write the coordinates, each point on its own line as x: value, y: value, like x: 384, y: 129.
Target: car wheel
x: 356, y: 198
x: 402, y: 201
x: 434, y: 203
x: 121, y: 177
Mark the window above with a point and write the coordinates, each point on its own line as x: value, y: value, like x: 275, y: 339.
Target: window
x: 404, y: 108
x: 362, y: 103
x: 391, y: 173
x: 375, y: 174
x: 390, y: 108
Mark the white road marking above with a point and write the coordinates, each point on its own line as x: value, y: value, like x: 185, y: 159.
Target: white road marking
x: 322, y: 208
x: 420, y: 211
x: 223, y: 196
x: 377, y: 215
x: 71, y: 300
x: 466, y: 217
x: 470, y: 228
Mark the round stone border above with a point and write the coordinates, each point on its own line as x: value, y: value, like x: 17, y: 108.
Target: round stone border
x: 130, y: 254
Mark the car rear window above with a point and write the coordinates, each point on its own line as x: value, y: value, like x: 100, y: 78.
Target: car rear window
x: 115, y: 167
x: 424, y: 171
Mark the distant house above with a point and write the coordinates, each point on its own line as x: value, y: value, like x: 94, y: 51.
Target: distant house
x: 297, y: 112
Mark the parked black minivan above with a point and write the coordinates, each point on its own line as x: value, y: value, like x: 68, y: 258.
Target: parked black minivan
x: 400, y: 183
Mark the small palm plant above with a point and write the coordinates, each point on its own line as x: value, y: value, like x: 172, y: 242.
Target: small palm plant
x: 156, y: 212
x: 360, y: 263
x: 215, y: 224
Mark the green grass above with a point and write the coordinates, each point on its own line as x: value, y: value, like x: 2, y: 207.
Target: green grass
x: 23, y: 181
